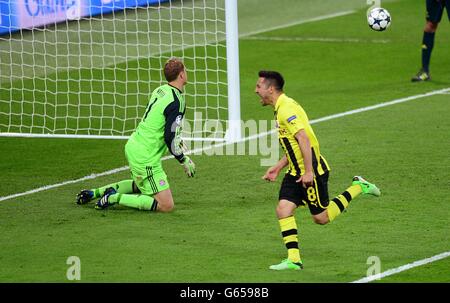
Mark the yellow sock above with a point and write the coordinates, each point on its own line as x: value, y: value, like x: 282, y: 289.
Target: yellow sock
x: 354, y: 191
x: 289, y: 233
x: 340, y: 203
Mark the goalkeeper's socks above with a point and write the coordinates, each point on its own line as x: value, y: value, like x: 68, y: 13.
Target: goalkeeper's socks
x: 122, y: 187
x: 427, y: 47
x: 142, y: 202
x: 340, y: 203
x: 289, y: 233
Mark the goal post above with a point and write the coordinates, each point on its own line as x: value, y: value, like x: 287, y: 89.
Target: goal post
x: 232, y: 37
x: 86, y: 68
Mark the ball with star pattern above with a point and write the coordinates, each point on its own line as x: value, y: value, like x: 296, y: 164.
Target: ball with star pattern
x: 379, y: 19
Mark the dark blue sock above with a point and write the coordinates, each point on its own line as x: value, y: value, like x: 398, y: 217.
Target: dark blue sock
x: 427, y: 47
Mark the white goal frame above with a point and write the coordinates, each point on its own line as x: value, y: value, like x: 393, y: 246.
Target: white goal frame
x: 233, y: 121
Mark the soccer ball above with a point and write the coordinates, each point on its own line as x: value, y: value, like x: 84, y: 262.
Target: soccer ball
x: 379, y: 19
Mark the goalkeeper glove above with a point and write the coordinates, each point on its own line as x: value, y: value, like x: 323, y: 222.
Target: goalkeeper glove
x: 183, y: 147
x: 188, y: 165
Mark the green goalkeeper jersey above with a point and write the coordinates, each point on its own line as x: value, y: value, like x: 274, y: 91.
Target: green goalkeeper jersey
x: 159, y: 129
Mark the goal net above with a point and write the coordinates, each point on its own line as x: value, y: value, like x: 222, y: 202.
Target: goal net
x: 86, y: 68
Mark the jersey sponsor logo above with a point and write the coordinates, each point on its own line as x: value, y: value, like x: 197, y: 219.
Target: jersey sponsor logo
x: 291, y: 118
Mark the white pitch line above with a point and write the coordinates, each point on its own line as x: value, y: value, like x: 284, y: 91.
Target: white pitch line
x: 315, y: 39
x: 47, y: 187
x: 403, y: 268
x: 212, y: 41
x: 260, y: 135
x: 319, y: 18
x: 384, y: 104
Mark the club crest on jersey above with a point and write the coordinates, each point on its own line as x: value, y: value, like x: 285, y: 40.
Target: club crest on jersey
x: 178, y: 120
x: 162, y: 182
x: 291, y: 118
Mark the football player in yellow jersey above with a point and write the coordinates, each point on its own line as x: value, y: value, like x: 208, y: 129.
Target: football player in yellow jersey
x: 306, y: 180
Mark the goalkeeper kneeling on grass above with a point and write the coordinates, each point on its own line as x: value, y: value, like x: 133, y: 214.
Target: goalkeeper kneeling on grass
x: 158, y: 131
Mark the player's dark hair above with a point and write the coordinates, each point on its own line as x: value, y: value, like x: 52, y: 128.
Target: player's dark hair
x: 173, y: 68
x: 274, y: 78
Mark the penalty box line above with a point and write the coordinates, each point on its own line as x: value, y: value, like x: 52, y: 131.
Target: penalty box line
x: 315, y: 121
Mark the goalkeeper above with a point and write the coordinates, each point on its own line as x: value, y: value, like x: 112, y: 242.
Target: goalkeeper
x: 158, y: 131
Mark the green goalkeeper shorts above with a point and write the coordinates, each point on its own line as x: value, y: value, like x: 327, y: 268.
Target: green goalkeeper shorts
x: 148, y: 175
x: 149, y: 179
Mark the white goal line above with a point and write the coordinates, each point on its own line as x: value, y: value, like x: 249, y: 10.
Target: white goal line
x: 72, y: 136
x: 326, y: 118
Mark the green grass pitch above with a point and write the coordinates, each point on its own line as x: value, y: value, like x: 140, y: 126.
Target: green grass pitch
x: 224, y: 227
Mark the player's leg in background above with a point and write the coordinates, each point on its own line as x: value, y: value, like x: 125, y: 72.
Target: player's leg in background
x: 428, y: 43
x: 433, y: 17
x: 447, y: 7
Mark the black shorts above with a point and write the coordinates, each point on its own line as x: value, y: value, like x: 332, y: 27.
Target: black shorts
x: 435, y: 9
x: 316, y: 196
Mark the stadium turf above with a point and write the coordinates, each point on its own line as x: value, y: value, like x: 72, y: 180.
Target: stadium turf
x: 224, y: 227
